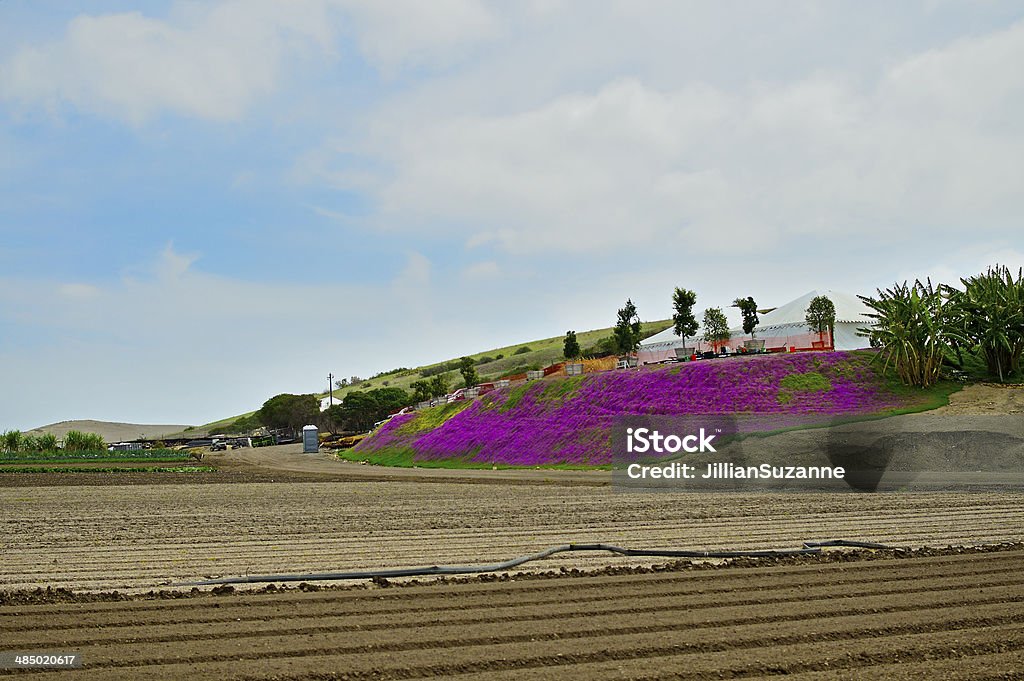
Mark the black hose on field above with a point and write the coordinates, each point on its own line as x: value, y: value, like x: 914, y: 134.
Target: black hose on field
x: 808, y: 548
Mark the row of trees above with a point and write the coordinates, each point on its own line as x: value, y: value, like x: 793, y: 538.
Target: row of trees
x: 921, y: 327
x: 716, y: 326
x: 820, y: 317
x: 627, y: 334
x: 357, y: 411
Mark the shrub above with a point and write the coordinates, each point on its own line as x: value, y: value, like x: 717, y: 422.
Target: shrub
x: 77, y: 441
x: 243, y: 424
x: 602, y: 348
x: 391, y: 372
x: 442, y: 368
x: 523, y: 350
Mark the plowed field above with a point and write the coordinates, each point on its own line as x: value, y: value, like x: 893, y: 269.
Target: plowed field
x: 148, y: 536
x: 938, y: 614
x: 947, y: 616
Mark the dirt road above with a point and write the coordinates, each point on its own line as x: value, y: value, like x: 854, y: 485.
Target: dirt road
x: 950, y: 617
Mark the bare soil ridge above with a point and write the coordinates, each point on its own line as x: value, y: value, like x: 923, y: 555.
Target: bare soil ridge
x: 943, y: 616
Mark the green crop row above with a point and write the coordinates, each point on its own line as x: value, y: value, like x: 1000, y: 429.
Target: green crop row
x: 103, y: 469
x: 95, y: 455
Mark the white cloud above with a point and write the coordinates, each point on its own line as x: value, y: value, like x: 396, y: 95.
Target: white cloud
x: 402, y: 33
x: 210, y: 63
x: 722, y: 170
x: 173, y: 265
x: 215, y: 60
x: 487, y: 269
x: 77, y: 291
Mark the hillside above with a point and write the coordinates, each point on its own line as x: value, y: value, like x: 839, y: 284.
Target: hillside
x: 568, y: 420
x: 492, y: 364
x: 109, y: 431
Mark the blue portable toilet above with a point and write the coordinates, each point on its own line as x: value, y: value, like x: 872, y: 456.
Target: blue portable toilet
x: 310, y: 440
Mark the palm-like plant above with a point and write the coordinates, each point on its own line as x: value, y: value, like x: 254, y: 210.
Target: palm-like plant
x: 990, y: 311
x: 11, y: 440
x: 915, y: 327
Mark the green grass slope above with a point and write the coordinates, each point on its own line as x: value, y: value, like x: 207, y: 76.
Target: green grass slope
x: 515, y: 358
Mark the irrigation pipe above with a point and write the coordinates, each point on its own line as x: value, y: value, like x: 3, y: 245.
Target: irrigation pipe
x: 807, y: 548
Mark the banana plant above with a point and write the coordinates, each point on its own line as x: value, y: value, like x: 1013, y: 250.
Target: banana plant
x: 990, y: 311
x: 916, y: 328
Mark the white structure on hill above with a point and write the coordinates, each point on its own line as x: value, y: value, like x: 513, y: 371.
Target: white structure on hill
x: 784, y: 327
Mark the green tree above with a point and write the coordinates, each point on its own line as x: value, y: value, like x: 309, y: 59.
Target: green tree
x: 748, y: 309
x: 289, y: 411
x: 716, y: 327
x: 627, y: 330
x: 421, y: 391
x: 468, y: 370
x: 990, y: 316
x: 684, y: 324
x: 821, y: 316
x: 439, y: 385
x: 361, y: 409
x: 571, y: 346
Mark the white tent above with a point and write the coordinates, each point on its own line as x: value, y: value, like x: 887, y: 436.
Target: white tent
x: 783, y: 327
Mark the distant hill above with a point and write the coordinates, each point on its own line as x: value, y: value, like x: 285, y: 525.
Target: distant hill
x: 110, y: 432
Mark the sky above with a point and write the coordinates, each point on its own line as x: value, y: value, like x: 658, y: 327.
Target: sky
x: 204, y: 204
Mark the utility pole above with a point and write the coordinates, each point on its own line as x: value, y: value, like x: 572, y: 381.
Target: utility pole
x: 330, y: 389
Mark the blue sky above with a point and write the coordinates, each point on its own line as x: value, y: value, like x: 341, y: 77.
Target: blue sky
x: 203, y: 204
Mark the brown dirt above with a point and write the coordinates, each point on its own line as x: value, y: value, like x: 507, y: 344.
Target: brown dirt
x: 942, y: 616
x: 985, y: 399
x: 149, y: 536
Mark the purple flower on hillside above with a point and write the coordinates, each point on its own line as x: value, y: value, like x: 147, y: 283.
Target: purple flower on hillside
x: 551, y: 422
